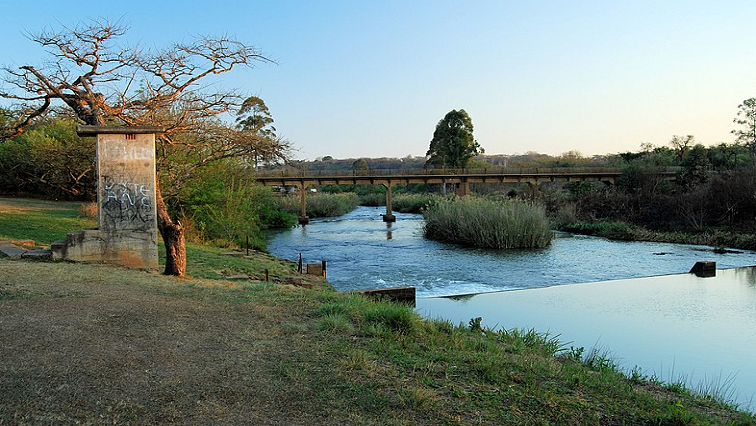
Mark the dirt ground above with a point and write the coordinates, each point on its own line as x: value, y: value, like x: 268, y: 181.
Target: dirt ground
x: 104, y: 345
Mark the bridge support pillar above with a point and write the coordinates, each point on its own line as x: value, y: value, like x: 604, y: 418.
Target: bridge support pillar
x: 303, y: 219
x: 463, y: 190
x: 389, y: 216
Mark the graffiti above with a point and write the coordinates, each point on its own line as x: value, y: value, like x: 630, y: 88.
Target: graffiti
x: 127, y: 205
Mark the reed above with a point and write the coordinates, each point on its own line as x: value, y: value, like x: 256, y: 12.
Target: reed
x: 415, y: 203
x: 488, y: 224
x: 321, y: 204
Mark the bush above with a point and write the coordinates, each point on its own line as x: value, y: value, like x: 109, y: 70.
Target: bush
x: 321, y: 205
x: 488, y: 224
x: 222, y: 204
x: 373, y: 200
x: 415, y: 203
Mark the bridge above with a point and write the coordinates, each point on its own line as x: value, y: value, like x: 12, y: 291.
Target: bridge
x: 303, y: 179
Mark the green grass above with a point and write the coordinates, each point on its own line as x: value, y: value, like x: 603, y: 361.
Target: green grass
x: 623, y: 231
x: 488, y: 224
x: 503, y: 377
x: 41, y: 221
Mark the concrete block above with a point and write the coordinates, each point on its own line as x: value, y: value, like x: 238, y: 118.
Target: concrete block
x: 396, y: 294
x: 704, y: 269
x: 11, y: 251
x: 42, y: 255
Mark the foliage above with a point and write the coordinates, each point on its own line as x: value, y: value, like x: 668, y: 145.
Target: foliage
x: 360, y: 166
x: 221, y: 204
x: 488, y: 224
x: 415, y: 203
x: 453, y: 144
x: 49, y: 160
x: 320, y: 204
x: 746, y: 118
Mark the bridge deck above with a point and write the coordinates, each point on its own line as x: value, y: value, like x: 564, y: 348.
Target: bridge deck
x: 394, y: 177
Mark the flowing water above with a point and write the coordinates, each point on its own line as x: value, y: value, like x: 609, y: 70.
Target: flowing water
x: 363, y: 252
x: 677, y: 327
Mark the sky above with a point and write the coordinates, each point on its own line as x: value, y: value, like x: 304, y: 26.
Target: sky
x: 372, y: 79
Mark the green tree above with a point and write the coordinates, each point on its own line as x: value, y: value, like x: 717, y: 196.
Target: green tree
x: 746, y: 118
x: 453, y: 144
x: 254, y: 116
x: 360, y: 166
x: 49, y: 159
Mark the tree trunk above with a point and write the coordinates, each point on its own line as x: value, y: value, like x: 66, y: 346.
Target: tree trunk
x: 173, y: 237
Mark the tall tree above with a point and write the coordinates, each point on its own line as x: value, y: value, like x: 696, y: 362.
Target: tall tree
x: 104, y: 83
x: 746, y: 118
x: 681, y: 144
x: 453, y: 144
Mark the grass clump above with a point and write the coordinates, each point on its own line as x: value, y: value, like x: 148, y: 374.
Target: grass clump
x: 488, y: 224
x: 415, y: 203
x: 321, y: 204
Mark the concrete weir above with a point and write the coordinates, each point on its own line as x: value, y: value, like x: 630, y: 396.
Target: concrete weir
x: 126, y: 206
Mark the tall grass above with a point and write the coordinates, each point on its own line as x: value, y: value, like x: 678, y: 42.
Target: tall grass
x: 415, y: 203
x: 321, y: 205
x: 488, y: 224
x: 372, y: 200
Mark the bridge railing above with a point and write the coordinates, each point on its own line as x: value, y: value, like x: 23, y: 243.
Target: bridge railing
x: 297, y: 173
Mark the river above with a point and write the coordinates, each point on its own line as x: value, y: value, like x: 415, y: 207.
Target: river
x: 677, y: 327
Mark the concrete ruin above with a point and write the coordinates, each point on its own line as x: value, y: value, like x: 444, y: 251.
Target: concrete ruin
x: 127, y: 232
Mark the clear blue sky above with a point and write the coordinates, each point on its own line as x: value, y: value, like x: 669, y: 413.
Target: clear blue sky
x: 359, y: 78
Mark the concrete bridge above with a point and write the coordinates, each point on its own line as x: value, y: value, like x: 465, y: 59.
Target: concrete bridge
x: 302, y: 179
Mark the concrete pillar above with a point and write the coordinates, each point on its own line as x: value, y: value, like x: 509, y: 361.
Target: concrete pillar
x: 389, y: 216
x: 126, y: 214
x: 463, y: 190
x: 303, y: 219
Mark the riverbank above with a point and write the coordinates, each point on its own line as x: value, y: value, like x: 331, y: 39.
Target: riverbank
x: 718, y: 239
x: 100, y: 344
x: 140, y: 348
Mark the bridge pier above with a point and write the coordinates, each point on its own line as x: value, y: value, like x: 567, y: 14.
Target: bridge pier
x: 303, y: 219
x: 463, y: 190
x: 389, y: 216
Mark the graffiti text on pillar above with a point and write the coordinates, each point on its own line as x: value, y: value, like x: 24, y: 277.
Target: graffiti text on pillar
x: 128, y: 204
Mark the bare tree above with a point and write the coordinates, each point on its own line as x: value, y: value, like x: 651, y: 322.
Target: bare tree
x: 104, y: 83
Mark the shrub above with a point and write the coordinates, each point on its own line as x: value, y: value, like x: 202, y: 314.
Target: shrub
x: 415, y: 203
x: 221, y: 204
x: 88, y: 210
x: 321, y: 205
x: 488, y: 224
x: 373, y: 200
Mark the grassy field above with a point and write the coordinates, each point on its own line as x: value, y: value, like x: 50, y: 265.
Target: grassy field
x: 41, y: 221
x: 96, y: 344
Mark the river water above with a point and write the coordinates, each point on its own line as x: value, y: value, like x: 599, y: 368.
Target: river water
x: 363, y: 252
x: 676, y: 327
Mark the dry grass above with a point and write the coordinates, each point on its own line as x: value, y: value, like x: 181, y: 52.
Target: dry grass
x: 96, y: 344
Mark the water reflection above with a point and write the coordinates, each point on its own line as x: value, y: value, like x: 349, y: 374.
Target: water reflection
x: 389, y: 234
x: 674, y: 326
